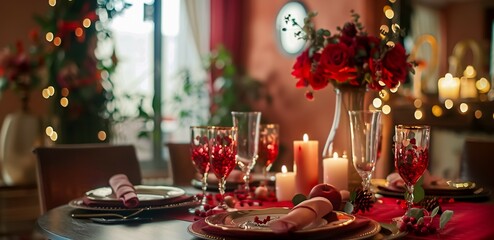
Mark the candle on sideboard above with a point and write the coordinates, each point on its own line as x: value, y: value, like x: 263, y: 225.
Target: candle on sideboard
x: 448, y: 87
x: 306, y: 166
x: 336, y: 171
x: 284, y: 185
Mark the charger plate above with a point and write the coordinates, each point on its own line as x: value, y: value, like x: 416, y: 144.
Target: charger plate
x: 359, y: 229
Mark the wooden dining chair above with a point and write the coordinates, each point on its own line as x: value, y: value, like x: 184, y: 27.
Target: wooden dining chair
x: 183, y: 170
x: 476, y: 161
x: 66, y: 172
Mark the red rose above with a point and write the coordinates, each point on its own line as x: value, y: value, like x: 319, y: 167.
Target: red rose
x: 302, y: 69
x: 336, y: 63
x: 394, y: 66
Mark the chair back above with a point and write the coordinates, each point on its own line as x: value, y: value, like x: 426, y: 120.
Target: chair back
x: 183, y: 170
x: 476, y: 161
x: 66, y: 172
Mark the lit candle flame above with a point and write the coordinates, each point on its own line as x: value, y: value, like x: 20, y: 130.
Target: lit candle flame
x: 306, y: 137
x: 335, y: 155
x: 283, y: 169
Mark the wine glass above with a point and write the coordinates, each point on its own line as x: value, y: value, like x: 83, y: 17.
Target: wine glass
x: 411, y: 155
x: 365, y: 129
x: 199, y: 152
x: 268, y: 146
x: 247, y: 124
x: 223, y: 149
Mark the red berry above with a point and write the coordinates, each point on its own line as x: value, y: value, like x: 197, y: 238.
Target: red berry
x: 203, y: 214
x: 197, y: 212
x: 402, y: 226
x: 413, y: 220
x: 406, y: 219
x: 424, y: 230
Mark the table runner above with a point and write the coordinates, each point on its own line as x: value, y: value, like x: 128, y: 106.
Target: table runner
x: 470, y: 220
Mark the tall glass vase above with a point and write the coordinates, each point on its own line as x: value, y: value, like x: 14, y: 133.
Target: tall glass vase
x: 348, y: 98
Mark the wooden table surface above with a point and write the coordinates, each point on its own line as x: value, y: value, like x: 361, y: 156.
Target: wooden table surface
x: 58, y: 224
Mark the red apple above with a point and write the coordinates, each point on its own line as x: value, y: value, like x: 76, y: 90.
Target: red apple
x: 329, y: 192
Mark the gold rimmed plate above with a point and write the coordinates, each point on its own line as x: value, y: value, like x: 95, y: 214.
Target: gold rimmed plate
x: 244, y: 220
x: 359, y: 229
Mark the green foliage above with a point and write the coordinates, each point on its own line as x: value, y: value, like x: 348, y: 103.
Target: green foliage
x: 445, y: 217
x: 229, y: 90
x: 298, y: 198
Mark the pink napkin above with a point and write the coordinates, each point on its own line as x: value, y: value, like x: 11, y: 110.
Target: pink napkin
x: 302, y: 215
x: 124, y: 190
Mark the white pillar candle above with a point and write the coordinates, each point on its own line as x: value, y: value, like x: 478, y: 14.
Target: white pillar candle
x: 336, y: 171
x: 306, y: 165
x: 284, y: 185
x: 448, y: 87
x: 468, y: 88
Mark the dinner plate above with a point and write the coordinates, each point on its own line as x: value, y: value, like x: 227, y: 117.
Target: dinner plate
x: 464, y: 190
x: 243, y: 220
x: 144, y: 193
x: 202, y: 230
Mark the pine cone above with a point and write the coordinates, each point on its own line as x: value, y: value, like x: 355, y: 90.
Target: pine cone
x: 364, y: 201
x: 429, y: 203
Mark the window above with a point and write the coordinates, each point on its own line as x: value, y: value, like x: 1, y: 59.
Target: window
x: 133, y: 34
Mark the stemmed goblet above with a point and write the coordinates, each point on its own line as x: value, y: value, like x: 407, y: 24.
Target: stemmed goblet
x: 247, y: 124
x: 199, y: 152
x: 268, y: 146
x: 223, y: 149
x: 365, y: 135
x: 411, y: 155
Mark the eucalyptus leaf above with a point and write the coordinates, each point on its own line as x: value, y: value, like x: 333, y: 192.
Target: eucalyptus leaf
x: 348, y: 208
x: 434, y: 212
x: 420, y: 221
x: 298, y: 198
x: 445, y: 217
x: 353, y: 195
x: 418, y: 194
x: 418, y: 190
x: 415, y: 212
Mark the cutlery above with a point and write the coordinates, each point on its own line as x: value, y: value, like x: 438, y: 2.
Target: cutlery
x: 103, y: 215
x: 121, y: 220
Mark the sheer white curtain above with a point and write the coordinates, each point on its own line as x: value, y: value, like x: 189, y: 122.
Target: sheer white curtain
x: 185, y: 51
x: 185, y: 39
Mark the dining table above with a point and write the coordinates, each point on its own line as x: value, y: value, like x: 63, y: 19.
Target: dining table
x: 471, y: 220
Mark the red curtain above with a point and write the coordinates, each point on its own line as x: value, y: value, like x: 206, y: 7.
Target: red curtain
x: 226, y: 26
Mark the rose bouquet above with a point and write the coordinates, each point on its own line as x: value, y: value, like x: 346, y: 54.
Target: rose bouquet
x: 350, y: 57
x: 21, y: 69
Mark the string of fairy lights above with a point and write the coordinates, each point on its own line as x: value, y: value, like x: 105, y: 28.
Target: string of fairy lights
x: 381, y: 102
x: 481, y: 87
x: 49, y: 91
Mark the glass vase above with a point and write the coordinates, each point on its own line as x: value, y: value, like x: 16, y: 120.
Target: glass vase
x: 348, y: 98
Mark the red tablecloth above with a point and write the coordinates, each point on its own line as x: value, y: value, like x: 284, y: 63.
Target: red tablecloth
x: 470, y: 220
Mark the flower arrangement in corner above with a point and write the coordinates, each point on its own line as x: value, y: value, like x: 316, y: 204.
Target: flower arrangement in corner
x: 349, y: 57
x: 22, y: 69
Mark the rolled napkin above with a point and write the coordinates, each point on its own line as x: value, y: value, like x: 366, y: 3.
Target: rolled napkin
x: 302, y: 215
x: 124, y: 190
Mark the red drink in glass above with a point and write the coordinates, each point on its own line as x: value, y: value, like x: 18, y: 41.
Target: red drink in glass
x: 411, y: 155
x: 223, y: 147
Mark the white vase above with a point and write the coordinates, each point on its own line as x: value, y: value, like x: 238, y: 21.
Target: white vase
x: 19, y: 135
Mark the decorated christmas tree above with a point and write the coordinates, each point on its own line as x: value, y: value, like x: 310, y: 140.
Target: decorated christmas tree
x: 80, y: 85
